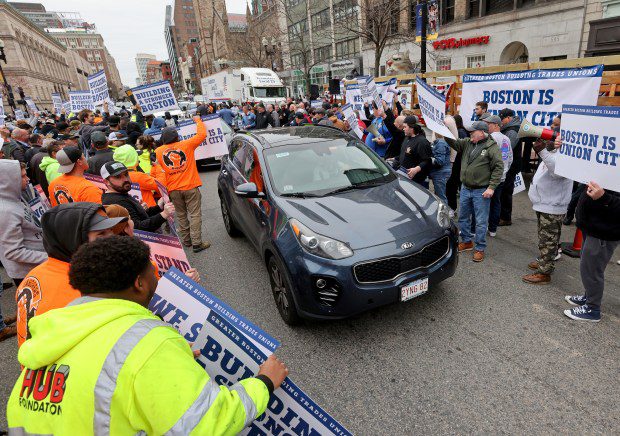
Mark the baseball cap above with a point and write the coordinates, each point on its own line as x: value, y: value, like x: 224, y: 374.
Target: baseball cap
x: 112, y: 168
x: 127, y: 155
x: 494, y: 119
x: 100, y: 221
x: 411, y: 120
x: 169, y: 135
x: 98, y: 138
x: 67, y: 157
x: 117, y: 211
x: 506, y: 113
x: 117, y: 136
x: 478, y: 125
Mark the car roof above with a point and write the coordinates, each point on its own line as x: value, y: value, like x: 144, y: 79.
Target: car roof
x: 295, y: 135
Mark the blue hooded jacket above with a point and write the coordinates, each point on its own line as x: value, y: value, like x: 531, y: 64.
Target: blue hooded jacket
x: 158, y: 124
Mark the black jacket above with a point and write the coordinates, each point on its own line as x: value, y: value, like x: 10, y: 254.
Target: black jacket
x: 263, y: 120
x: 416, y: 150
x: 599, y: 218
x: 398, y: 136
x: 149, y: 220
x: 65, y: 228
x: 100, y: 158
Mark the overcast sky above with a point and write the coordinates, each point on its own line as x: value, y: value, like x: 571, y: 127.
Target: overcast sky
x: 128, y: 26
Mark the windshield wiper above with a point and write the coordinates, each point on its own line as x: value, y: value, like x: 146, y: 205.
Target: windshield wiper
x: 298, y: 195
x: 364, y: 185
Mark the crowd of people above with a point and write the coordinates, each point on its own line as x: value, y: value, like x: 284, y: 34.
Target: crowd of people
x: 81, y: 258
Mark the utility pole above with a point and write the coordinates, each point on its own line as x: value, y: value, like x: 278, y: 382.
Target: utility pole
x: 424, y: 7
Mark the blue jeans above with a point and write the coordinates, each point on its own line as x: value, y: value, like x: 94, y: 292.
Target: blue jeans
x: 439, y: 184
x: 473, y: 203
x: 496, y: 208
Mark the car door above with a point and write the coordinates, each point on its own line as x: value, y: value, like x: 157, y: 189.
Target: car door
x: 232, y: 172
x: 255, y: 210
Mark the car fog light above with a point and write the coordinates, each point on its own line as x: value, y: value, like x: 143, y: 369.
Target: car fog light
x: 321, y: 283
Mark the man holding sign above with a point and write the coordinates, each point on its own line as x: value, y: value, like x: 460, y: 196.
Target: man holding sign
x: 147, y: 382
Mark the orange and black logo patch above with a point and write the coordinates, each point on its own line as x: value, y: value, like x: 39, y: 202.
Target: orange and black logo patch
x: 28, y: 299
x: 174, y: 159
x: 62, y: 194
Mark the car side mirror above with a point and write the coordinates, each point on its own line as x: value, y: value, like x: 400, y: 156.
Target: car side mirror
x: 248, y: 190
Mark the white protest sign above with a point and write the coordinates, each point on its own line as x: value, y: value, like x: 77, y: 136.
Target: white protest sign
x: 98, y: 85
x: 353, y: 96
x: 406, y: 96
x: 316, y: 104
x: 19, y: 114
x: 368, y: 90
x: 57, y: 102
x: 38, y: 202
x: 214, y: 144
x: 31, y: 106
x: 166, y: 251
x: 99, y: 183
x: 221, y: 334
x: 67, y: 106
x: 535, y: 95
x: 519, y: 184
x: 164, y: 194
x: 155, y: 97
x: 433, y: 107
x: 387, y: 90
x: 589, y: 149
x: 351, y: 118
x: 81, y: 100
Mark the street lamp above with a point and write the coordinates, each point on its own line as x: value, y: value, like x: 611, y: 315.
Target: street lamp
x: 271, y: 47
x: 6, y: 84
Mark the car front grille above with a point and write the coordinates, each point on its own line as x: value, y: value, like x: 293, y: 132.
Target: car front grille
x: 383, y: 270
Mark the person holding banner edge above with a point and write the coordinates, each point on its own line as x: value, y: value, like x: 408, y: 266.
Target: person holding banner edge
x: 158, y: 387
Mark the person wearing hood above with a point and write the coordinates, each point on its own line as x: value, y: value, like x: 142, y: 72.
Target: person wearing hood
x: 183, y: 182
x: 21, y: 245
x: 170, y: 121
x: 49, y: 165
x: 46, y: 286
x: 128, y: 156
x: 116, y: 367
x: 510, y: 127
x: 71, y: 186
x: 158, y: 124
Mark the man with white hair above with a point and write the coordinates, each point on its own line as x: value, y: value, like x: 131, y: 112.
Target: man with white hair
x: 18, y: 145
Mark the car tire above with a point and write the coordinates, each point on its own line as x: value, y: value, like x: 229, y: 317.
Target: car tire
x: 281, y: 287
x: 229, y: 224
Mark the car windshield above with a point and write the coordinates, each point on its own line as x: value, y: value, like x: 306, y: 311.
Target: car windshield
x: 269, y: 92
x: 325, y: 168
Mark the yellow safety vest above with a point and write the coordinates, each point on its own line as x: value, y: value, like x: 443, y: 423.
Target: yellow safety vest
x: 108, y: 366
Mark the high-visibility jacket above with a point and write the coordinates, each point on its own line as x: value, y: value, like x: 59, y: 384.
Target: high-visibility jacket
x: 109, y: 366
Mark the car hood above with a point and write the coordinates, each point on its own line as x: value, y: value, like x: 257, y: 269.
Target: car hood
x: 369, y: 217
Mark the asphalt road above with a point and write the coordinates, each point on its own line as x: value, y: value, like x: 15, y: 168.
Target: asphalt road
x: 480, y: 353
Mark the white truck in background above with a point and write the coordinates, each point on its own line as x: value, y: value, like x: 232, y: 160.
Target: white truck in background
x: 257, y: 85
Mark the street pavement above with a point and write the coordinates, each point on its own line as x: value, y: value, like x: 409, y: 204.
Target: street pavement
x: 480, y: 353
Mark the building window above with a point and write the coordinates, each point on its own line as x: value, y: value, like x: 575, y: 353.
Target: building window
x: 444, y: 64
x: 345, y: 9
x: 475, y: 61
x: 552, y: 58
x: 296, y: 60
x: 89, y: 56
x: 298, y: 28
x: 346, y: 49
x: 293, y: 3
x: 447, y: 11
x: 473, y: 10
x: 97, y: 56
x: 321, y: 19
x: 498, y: 6
x: 323, y: 53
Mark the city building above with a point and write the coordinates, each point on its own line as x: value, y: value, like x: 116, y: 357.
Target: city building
x: 172, y: 49
x: 184, y: 39
x: 36, y: 62
x: 142, y: 60
x: 601, y: 33
x: 79, y: 70
x: 157, y: 71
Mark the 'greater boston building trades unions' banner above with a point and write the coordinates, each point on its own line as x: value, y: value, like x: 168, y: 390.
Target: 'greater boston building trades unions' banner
x: 81, y: 100
x: 433, y: 107
x: 215, y: 143
x: 590, y: 149
x: 155, y: 97
x: 535, y: 95
x: 232, y: 348
x: 98, y: 85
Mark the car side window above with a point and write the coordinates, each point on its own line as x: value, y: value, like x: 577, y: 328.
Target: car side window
x: 237, y: 153
x: 252, y: 168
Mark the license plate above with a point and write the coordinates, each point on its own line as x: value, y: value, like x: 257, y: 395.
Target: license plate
x: 414, y: 289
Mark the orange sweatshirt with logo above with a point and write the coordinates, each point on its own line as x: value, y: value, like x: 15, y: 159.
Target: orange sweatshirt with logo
x: 178, y: 161
x: 73, y: 189
x: 147, y: 186
x: 46, y: 287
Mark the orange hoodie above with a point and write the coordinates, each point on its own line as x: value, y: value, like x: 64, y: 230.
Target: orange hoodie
x: 73, y: 189
x: 178, y: 162
x: 147, y: 186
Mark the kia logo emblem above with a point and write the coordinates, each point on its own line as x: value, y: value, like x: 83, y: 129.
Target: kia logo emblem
x: 407, y: 245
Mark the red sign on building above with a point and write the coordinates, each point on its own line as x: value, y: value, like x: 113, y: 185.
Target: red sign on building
x: 445, y: 44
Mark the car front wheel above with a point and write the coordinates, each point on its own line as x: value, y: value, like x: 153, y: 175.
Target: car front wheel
x: 282, y: 291
x: 231, y: 229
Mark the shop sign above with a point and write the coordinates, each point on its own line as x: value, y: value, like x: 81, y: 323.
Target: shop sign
x: 445, y: 44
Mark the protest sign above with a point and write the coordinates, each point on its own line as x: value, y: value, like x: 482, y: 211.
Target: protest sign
x: 589, y: 150
x: 57, y: 102
x: 164, y: 194
x: 66, y: 106
x: 351, y: 118
x: 98, y: 85
x: 226, y: 337
x: 519, y: 184
x: 166, y: 251
x: 316, y: 104
x: 535, y: 95
x: 19, y: 114
x: 387, y: 90
x: 32, y: 108
x: 406, y: 96
x: 353, y: 96
x: 215, y: 143
x: 37, y: 201
x: 155, y: 97
x: 433, y: 107
x: 368, y: 90
x: 99, y: 183
x: 81, y: 100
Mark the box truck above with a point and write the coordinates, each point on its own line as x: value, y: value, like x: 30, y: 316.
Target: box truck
x: 258, y: 85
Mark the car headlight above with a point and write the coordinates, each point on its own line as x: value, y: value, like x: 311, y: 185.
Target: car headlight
x: 318, y: 244
x: 444, y: 214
